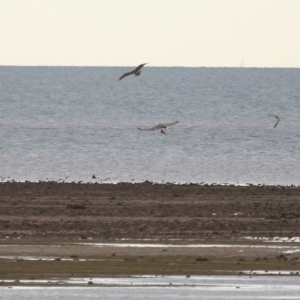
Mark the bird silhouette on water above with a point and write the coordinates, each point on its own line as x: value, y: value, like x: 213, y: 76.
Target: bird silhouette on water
x: 277, y: 120
x: 136, y: 72
x: 162, y: 126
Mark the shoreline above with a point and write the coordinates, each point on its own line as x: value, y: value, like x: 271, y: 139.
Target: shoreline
x: 56, y: 260
x: 51, y: 219
x: 147, y: 210
x: 96, y: 181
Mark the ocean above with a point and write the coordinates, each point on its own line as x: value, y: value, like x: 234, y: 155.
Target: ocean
x: 80, y: 124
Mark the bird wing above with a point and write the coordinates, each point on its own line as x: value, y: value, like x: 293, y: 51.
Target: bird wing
x: 138, y: 68
x: 126, y: 74
x: 276, y: 122
x: 159, y: 126
x: 168, y: 124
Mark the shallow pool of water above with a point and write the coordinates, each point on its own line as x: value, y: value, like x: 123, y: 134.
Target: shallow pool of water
x: 164, y: 287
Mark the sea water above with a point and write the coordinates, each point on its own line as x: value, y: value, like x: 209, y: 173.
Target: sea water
x: 167, y: 288
x: 80, y: 124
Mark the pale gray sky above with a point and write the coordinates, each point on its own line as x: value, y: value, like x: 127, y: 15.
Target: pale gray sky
x: 211, y: 33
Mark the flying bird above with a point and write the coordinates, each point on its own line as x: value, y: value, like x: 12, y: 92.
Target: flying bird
x: 163, y: 127
x: 137, y: 72
x: 277, y: 120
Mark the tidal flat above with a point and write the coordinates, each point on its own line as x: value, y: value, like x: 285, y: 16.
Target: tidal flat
x: 57, y: 231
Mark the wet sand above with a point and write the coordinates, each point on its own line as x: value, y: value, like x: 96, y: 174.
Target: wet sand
x: 147, y: 211
x: 36, y: 218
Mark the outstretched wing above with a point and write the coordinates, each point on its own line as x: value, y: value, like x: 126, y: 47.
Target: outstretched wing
x: 126, y: 74
x: 276, y: 122
x: 158, y: 126
x: 168, y: 124
x: 138, y: 68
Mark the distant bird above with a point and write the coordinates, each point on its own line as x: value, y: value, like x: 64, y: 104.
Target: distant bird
x: 163, y: 127
x: 277, y: 120
x: 137, y: 71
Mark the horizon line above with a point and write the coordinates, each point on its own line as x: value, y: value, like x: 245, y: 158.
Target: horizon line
x: 151, y: 66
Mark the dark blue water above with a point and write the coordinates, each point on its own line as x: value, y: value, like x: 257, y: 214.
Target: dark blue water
x: 70, y: 123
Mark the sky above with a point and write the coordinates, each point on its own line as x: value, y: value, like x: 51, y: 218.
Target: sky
x: 191, y: 33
